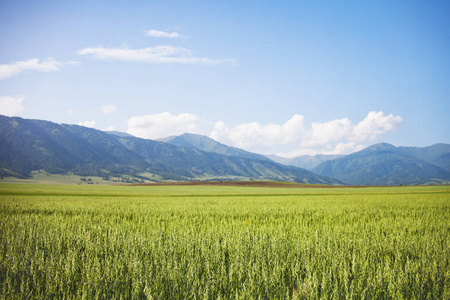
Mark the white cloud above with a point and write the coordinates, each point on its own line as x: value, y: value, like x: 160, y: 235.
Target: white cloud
x: 374, y: 125
x: 290, y: 139
x: 108, y: 109
x: 342, y: 137
x: 50, y: 65
x: 11, y: 106
x: 87, y: 123
x: 162, y: 34
x: 323, y: 133
x: 157, y: 54
x: 164, y: 124
x: 109, y: 128
x: 254, y: 136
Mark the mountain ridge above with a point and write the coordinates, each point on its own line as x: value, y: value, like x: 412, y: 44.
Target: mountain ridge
x: 405, y: 165
x: 382, y: 164
x: 208, y: 144
x: 29, y: 145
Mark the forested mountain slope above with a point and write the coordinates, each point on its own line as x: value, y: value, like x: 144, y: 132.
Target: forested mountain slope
x: 382, y: 164
x: 30, y: 145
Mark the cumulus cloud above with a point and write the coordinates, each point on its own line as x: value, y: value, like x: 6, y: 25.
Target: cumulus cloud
x: 162, y: 34
x: 157, y: 54
x: 87, y: 123
x: 289, y: 139
x: 108, y: 109
x: 15, y: 68
x: 255, y: 135
x: 322, y: 133
x: 165, y: 124
x: 11, y: 106
x: 341, y: 136
x: 374, y: 125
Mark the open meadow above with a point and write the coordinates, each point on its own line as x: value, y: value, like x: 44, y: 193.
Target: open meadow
x: 211, y: 242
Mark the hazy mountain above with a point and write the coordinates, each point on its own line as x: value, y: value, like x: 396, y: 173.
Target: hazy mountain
x: 28, y: 145
x: 207, y: 144
x: 304, y: 161
x: 438, y: 154
x: 443, y: 161
x: 202, y: 163
x: 382, y: 164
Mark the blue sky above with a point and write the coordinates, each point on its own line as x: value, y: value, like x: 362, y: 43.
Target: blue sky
x: 283, y: 77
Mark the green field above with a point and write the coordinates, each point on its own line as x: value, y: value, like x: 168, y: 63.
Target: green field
x: 210, y: 242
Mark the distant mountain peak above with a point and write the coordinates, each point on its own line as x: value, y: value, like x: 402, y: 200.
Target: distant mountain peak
x: 380, y: 146
x: 195, y: 135
x: 384, y: 164
x: 208, y: 144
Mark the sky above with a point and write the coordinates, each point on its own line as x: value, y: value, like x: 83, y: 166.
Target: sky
x: 272, y: 77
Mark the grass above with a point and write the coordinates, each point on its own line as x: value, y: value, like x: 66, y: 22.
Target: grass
x: 209, y: 242
x: 42, y: 177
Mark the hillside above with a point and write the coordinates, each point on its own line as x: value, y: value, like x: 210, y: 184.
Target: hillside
x: 207, y: 144
x: 29, y: 145
x: 200, y: 163
x: 382, y: 164
x: 438, y: 154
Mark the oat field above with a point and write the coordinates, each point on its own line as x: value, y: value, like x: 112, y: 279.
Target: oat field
x: 223, y: 242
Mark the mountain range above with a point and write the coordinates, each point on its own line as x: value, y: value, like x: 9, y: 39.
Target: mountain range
x: 208, y: 144
x: 380, y: 164
x: 31, y: 145
x: 385, y: 164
